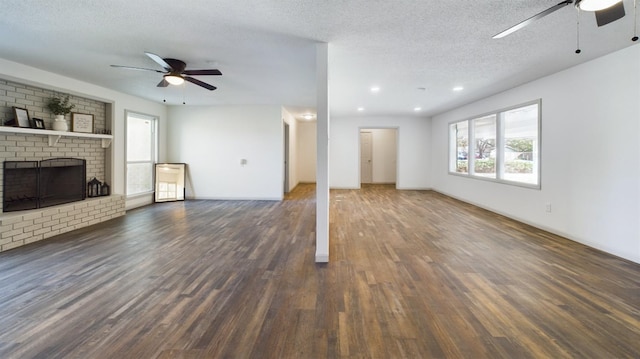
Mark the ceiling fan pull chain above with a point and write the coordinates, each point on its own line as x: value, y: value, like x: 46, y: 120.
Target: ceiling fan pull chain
x: 578, y: 33
x: 183, y: 86
x: 635, y: 21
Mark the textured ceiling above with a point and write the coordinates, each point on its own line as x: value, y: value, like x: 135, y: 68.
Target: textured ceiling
x: 266, y: 48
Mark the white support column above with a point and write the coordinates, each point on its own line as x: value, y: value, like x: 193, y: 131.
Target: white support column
x: 322, y: 161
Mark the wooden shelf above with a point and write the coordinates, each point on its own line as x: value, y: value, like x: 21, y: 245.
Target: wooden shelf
x: 54, y: 136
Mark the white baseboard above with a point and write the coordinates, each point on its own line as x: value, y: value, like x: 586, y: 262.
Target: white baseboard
x: 236, y: 198
x: 415, y: 188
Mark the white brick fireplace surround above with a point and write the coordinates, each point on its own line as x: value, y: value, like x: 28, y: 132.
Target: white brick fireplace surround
x: 23, y: 227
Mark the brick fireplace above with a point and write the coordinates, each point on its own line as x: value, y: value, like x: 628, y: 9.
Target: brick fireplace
x: 23, y: 227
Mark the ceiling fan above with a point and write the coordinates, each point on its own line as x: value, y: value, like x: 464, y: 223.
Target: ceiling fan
x: 175, y: 72
x: 606, y: 11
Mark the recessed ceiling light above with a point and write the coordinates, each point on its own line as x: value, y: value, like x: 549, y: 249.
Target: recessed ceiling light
x: 308, y: 116
x: 458, y: 88
x: 375, y: 89
x: 417, y: 109
x: 360, y: 109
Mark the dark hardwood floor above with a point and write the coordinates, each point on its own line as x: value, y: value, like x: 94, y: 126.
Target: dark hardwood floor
x: 413, y: 274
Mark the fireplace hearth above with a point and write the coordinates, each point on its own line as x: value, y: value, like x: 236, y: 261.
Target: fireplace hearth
x: 39, y: 184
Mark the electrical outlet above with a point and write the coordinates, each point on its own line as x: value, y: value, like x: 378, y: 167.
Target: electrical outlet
x: 548, y: 207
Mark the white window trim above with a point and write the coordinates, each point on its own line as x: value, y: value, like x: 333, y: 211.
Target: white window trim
x: 499, y: 145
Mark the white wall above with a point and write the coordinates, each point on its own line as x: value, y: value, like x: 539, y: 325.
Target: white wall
x: 212, y: 140
x: 384, y: 154
x: 414, y: 136
x: 307, y: 151
x: 120, y: 103
x: 590, y: 162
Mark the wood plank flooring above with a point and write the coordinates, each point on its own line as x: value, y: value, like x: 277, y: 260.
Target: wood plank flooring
x: 413, y: 274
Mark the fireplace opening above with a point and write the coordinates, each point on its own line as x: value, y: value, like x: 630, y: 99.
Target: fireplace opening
x: 20, y: 186
x: 32, y: 184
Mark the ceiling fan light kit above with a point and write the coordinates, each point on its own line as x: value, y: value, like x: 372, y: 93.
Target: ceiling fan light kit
x: 595, y: 5
x: 174, y: 79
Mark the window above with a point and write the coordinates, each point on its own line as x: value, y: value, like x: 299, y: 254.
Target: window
x: 484, y: 139
x: 141, y: 153
x: 459, y: 138
x: 505, y: 146
x: 521, y: 145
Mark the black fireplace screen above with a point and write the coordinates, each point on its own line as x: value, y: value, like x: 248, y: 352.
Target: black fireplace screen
x: 32, y: 184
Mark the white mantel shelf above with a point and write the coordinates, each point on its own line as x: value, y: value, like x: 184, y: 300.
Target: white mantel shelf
x: 54, y: 136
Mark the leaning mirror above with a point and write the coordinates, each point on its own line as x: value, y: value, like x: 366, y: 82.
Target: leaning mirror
x: 170, y: 182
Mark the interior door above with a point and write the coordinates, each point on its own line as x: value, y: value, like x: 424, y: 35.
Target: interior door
x: 286, y: 158
x: 366, y: 164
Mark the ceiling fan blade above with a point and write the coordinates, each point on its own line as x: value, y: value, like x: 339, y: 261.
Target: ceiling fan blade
x: 535, y: 17
x: 177, y: 66
x: 202, y: 72
x: 610, y: 14
x: 199, y: 83
x: 160, y: 61
x: 163, y: 83
x: 136, y: 68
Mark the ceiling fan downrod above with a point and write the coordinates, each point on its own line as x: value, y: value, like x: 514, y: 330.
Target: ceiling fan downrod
x: 578, y: 32
x: 635, y: 21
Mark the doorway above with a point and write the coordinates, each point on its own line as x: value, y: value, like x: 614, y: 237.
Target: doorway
x: 286, y: 157
x: 366, y: 160
x: 378, y: 155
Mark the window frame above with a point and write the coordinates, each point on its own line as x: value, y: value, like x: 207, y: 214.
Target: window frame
x: 499, y: 146
x: 453, y: 160
x: 154, y: 152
